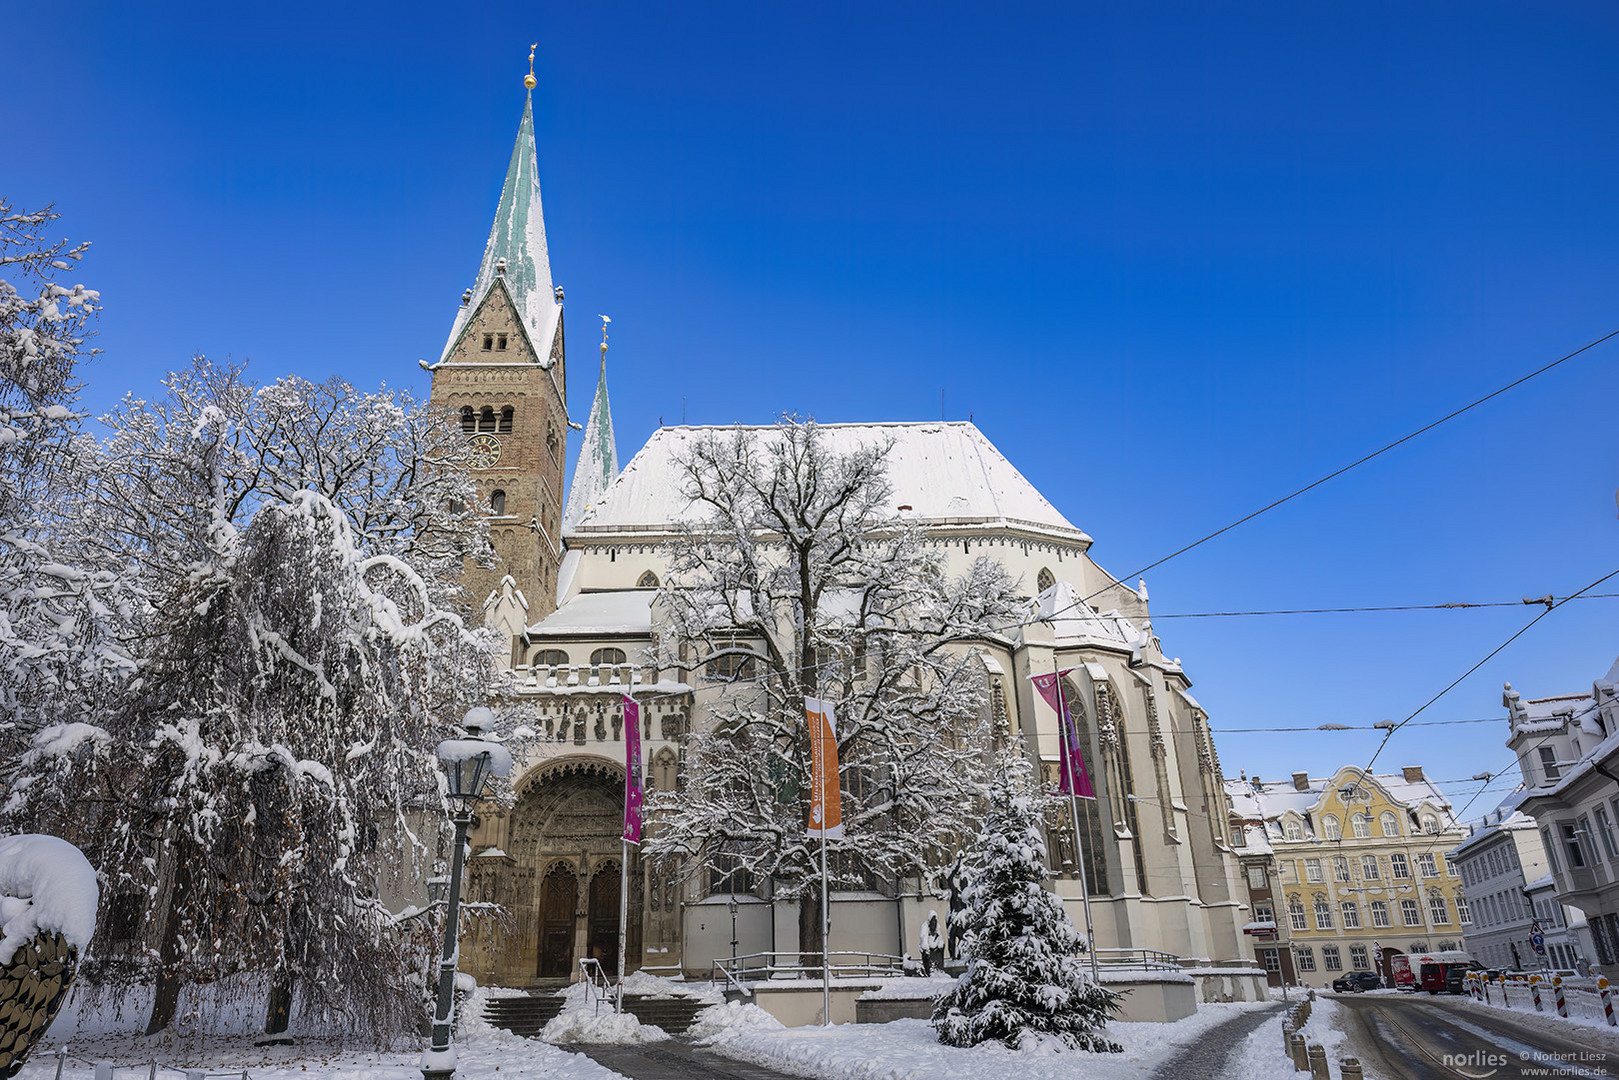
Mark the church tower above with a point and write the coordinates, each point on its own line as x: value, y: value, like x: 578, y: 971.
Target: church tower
x: 503, y: 373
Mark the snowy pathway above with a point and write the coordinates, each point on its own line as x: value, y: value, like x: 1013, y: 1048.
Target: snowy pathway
x: 1206, y: 1058
x: 675, y: 1060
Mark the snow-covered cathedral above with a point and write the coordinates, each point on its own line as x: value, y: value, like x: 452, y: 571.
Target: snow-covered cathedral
x: 575, y: 591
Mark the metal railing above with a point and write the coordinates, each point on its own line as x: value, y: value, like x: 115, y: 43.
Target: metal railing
x: 1138, y: 959
x: 762, y: 966
x: 597, y: 987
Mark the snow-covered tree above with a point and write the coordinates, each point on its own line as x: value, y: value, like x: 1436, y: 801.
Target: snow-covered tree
x: 298, y: 547
x: 1024, y: 976
x: 59, y: 618
x: 801, y: 581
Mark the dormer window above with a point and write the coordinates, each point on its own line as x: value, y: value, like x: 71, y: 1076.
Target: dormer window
x: 1548, y: 764
x: 488, y: 342
x: 500, y: 342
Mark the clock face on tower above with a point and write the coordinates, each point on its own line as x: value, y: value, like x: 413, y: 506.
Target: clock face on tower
x: 485, y: 451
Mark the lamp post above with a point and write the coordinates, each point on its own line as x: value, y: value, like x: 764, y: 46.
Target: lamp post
x: 468, y: 764
x: 733, y: 933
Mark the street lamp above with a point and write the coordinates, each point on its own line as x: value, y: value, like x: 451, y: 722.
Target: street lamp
x: 733, y: 933
x: 468, y: 764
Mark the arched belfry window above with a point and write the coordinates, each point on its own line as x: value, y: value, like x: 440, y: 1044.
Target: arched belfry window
x: 497, y: 503
x: 486, y: 419
x: 506, y: 415
x: 1045, y: 580
x: 469, y: 419
x: 648, y: 580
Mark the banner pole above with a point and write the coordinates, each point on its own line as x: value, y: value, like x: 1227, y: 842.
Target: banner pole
x: 826, y: 930
x: 623, y: 921
x: 1063, y: 732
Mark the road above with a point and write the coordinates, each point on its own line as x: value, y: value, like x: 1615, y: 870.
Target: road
x: 1420, y: 1037
x: 674, y: 1059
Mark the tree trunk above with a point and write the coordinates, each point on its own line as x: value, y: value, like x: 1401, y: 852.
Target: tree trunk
x: 809, y: 926
x: 166, y: 997
x: 279, y: 1013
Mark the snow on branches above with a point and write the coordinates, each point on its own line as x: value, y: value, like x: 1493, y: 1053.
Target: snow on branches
x: 802, y: 581
x: 1024, y: 978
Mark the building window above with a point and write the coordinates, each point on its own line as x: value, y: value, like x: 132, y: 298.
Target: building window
x: 1294, y: 829
x: 1417, y: 946
x: 1358, y: 959
x: 1447, y: 946
x: 1410, y: 913
x: 1450, y: 867
x: 1295, y: 913
x: 497, y: 503
x: 1361, y: 825
x: 607, y: 656
x: 1548, y: 764
x: 486, y: 419
x: 1571, y: 845
x: 1426, y: 864
x: 1368, y: 868
x: 1551, y: 850
x: 1264, y: 912
x: 1380, y: 913
x: 1340, y: 868
x: 1438, y: 910
x: 1312, y: 869
x: 1390, y: 824
x: 1323, y: 914
x: 1044, y: 580
x: 1463, y: 915
x: 1351, y: 914
x: 731, y: 663
x: 1605, y: 830
x: 1331, y: 829
x: 1256, y: 877
x: 1304, y: 956
x: 648, y: 580
x: 1399, y: 868
x: 1430, y: 824
x: 726, y: 875
x: 1272, y: 959
x: 550, y: 658
x: 469, y: 419
x: 488, y: 342
x: 500, y: 342
x: 1330, y: 959
x: 506, y: 416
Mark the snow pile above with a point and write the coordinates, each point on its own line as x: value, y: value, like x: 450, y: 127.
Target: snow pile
x: 586, y: 1025
x: 645, y: 984
x: 46, y: 884
x: 728, y: 1020
x: 911, y: 988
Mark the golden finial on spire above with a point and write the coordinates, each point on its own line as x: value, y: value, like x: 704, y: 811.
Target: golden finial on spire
x: 605, y: 320
x: 528, y: 80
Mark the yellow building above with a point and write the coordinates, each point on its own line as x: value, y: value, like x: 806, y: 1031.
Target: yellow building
x: 1358, y: 869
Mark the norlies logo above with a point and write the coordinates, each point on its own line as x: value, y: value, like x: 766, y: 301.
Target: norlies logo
x: 1477, y: 1063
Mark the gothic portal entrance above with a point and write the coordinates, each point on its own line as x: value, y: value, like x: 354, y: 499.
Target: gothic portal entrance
x: 604, y: 889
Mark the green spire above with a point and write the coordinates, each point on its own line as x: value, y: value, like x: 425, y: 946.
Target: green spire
x: 597, y: 466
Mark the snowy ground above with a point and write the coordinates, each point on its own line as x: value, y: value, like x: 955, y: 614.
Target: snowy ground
x: 910, y: 1049
x: 1584, y: 1012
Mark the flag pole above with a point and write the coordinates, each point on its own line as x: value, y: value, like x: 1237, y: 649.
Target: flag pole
x: 1063, y: 732
x: 826, y: 926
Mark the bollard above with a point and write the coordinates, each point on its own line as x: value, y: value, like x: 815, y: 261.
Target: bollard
x: 1486, y: 984
x: 1607, y: 1002
x: 1505, y: 1004
x: 1318, y: 1063
x: 1301, y: 1060
x: 1351, y: 1069
x: 1557, y: 993
x: 1287, y: 1037
x: 61, y: 1059
x: 1534, y: 991
x: 103, y: 1070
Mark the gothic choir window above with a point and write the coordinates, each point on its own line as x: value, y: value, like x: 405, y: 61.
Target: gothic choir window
x: 1090, y: 816
x: 497, y: 503
x: 1045, y: 580
x: 1110, y: 707
x: 469, y: 419
x: 505, y: 425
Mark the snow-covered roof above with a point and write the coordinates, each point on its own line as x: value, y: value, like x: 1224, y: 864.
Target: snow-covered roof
x: 946, y: 472
x: 1072, y: 618
x: 517, y: 239
x: 597, y: 466
x: 1273, y: 800
x: 624, y: 611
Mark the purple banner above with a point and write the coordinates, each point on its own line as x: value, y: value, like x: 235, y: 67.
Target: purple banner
x: 1072, y: 777
x: 632, y: 770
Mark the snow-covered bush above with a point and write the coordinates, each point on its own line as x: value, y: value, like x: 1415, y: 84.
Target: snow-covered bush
x: 1023, y: 979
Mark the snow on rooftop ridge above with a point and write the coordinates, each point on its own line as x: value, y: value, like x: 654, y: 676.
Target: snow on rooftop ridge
x: 516, y: 251
x: 948, y: 472
x: 46, y: 886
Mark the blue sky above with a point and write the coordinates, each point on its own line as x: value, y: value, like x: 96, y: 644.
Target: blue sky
x: 1174, y: 259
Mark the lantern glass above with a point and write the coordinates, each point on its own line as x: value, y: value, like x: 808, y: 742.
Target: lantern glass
x: 467, y: 776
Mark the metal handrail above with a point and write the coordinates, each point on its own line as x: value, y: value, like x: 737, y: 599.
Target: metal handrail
x: 1144, y: 959
x: 776, y: 965
x: 597, y: 987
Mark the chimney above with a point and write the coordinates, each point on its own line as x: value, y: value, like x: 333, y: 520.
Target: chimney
x: 1301, y: 781
x: 1413, y: 774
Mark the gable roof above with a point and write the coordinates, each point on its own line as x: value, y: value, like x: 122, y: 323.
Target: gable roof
x: 947, y: 473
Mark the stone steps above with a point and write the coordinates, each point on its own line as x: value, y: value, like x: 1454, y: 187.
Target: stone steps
x: 526, y: 1015
x: 673, y: 1014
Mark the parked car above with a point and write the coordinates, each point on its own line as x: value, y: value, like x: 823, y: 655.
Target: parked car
x: 1356, y: 981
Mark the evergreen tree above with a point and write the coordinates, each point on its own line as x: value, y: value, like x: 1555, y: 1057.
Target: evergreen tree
x: 1023, y: 976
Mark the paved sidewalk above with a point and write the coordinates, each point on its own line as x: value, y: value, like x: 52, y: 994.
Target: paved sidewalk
x: 1206, y: 1059
x: 676, y: 1060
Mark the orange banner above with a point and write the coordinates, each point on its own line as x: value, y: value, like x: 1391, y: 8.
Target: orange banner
x: 826, y: 802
